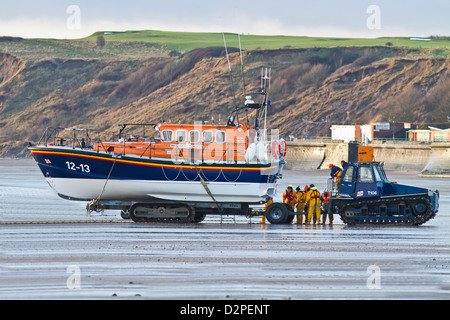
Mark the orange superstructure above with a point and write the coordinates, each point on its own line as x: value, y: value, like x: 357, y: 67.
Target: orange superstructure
x: 183, y: 142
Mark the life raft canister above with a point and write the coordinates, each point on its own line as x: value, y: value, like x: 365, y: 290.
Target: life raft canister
x: 275, y: 149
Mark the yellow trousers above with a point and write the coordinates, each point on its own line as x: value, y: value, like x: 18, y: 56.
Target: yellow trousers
x: 299, y: 218
x: 313, y: 210
x: 300, y: 208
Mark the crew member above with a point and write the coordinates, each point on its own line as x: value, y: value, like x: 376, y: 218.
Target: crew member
x: 290, y: 196
x: 300, y: 205
x: 305, y: 209
x: 268, y: 203
x: 325, y: 197
x: 335, y: 172
x: 313, y: 200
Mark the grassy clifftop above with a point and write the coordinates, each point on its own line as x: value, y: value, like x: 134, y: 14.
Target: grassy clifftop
x: 184, y: 41
x: 142, y: 44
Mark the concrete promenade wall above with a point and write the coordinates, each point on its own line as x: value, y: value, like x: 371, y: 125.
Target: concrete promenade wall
x: 429, y: 159
x: 439, y: 162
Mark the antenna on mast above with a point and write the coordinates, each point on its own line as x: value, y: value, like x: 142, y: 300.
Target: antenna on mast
x: 243, y: 76
x: 231, y: 118
x: 265, y: 85
x: 262, y: 78
x: 229, y: 68
x: 242, y: 65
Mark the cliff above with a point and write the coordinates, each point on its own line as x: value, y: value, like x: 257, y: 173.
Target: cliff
x: 41, y: 86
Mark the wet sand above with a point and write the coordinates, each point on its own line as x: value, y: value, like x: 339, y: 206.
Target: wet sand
x: 235, y: 259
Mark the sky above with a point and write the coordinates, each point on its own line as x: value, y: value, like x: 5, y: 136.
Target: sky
x: 72, y: 19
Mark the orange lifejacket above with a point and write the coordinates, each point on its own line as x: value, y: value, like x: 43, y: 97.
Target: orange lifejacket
x: 326, y: 197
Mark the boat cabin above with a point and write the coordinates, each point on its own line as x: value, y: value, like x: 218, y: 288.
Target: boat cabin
x: 187, y: 143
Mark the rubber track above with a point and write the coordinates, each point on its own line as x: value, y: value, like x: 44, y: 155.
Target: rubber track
x: 192, y: 218
x: 187, y: 220
x: 409, y: 219
x: 63, y: 222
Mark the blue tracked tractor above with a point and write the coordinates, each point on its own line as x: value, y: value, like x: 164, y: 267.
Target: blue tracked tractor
x: 364, y: 195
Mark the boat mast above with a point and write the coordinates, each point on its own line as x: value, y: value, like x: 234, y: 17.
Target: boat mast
x: 249, y: 103
x: 265, y: 86
x: 242, y: 65
x: 231, y: 74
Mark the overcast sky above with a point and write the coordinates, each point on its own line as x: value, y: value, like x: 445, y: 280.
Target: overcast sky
x: 329, y: 18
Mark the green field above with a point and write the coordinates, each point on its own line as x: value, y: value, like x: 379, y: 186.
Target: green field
x: 131, y: 45
x: 185, y: 41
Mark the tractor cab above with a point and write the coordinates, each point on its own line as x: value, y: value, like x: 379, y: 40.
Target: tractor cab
x: 367, y: 179
x: 364, y: 180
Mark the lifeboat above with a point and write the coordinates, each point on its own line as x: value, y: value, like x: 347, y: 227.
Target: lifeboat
x: 198, y: 165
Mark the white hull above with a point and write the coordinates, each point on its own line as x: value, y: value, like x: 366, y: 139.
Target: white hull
x: 132, y: 190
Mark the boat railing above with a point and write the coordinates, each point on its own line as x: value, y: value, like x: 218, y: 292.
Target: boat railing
x: 71, y: 137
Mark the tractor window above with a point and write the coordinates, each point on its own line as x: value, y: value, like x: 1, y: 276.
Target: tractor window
x: 365, y: 174
x: 382, y: 173
x: 348, y: 174
x: 378, y: 177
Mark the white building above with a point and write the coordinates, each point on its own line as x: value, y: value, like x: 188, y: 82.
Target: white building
x: 343, y: 132
x: 349, y: 133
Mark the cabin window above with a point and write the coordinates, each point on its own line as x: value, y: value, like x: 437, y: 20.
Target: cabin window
x: 194, y: 136
x: 365, y: 174
x: 181, y: 136
x: 220, y: 136
x: 207, y: 136
x: 167, y: 135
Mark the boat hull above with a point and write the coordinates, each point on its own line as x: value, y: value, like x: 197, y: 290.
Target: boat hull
x: 82, y: 174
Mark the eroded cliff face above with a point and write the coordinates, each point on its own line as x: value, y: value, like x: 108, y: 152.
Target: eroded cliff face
x: 10, y: 66
x: 311, y: 88
x: 401, y: 89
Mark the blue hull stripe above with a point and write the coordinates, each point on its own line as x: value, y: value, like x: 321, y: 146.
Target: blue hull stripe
x: 64, y: 163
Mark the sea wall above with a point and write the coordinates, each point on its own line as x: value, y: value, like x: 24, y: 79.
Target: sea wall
x: 309, y: 155
x: 403, y: 157
x: 431, y: 159
x: 439, y: 161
